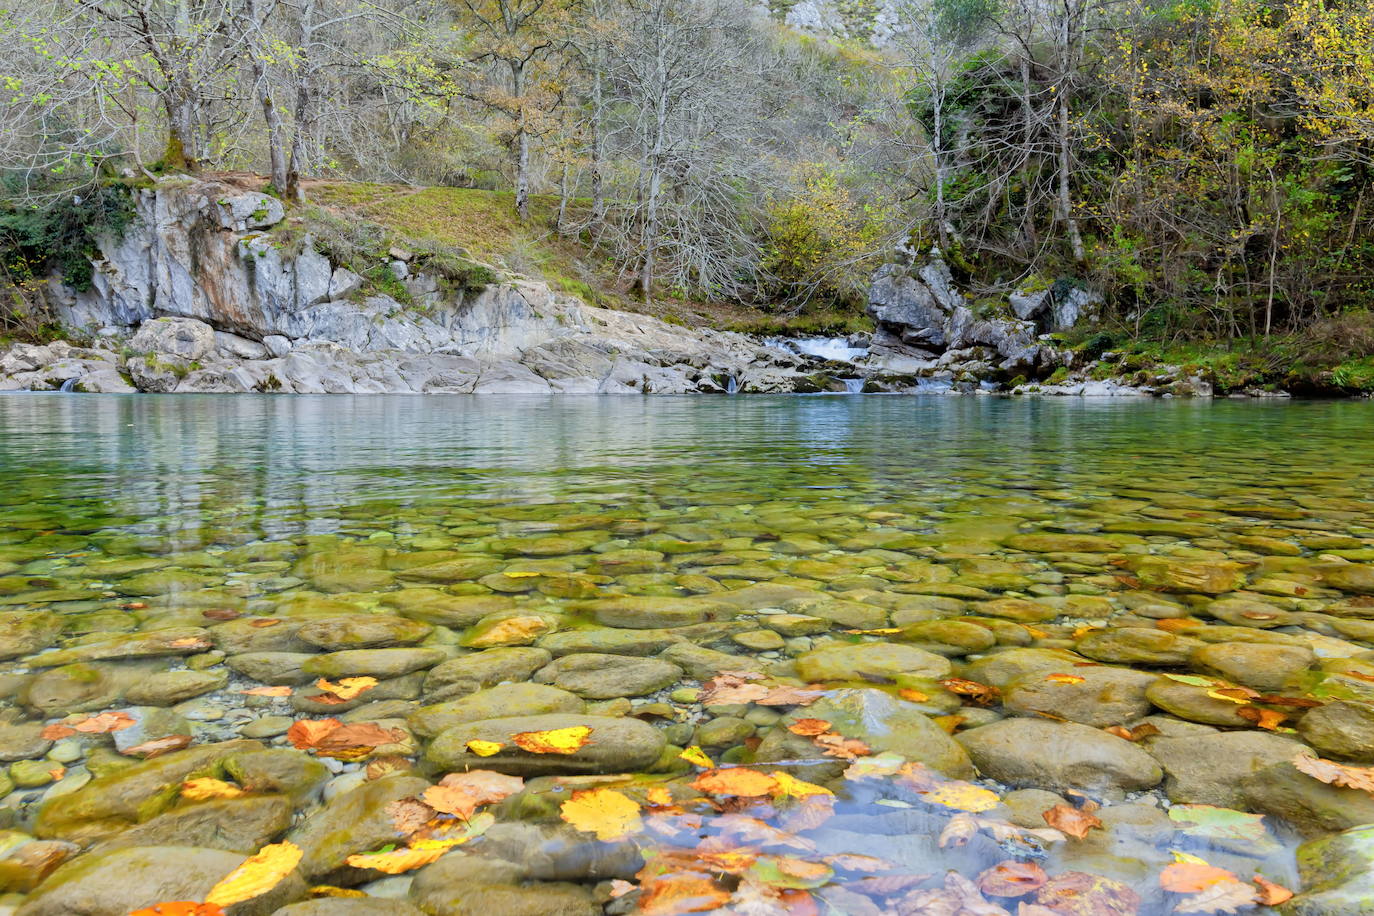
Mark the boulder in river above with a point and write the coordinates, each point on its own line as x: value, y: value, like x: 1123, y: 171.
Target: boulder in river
x: 1060, y: 756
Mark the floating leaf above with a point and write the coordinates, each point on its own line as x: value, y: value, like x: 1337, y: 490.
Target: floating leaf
x: 1222, y: 897
x: 554, y: 741
x: 736, y: 781
x: 1065, y: 679
x: 809, y: 727
x: 1012, y: 879
x: 1213, y: 823
x: 1336, y: 774
x: 348, y: 688
x: 484, y: 748
x: 1073, y: 821
x: 605, y: 812
x: 201, y: 789
x: 258, y: 874
x: 267, y: 692
x: 852, y: 862
x: 1272, y: 894
x: 697, y: 757
x: 681, y: 892
x: 1190, y: 878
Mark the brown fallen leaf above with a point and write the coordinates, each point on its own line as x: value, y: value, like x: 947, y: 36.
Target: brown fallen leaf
x: 409, y: 815
x: 978, y: 694
x: 1336, y: 774
x: 104, y: 723
x: 220, y: 613
x: 834, y: 745
x: 357, y: 739
x: 261, y: 622
x: 385, y: 766
x: 348, y: 688
x: 913, y: 695
x: 1272, y: 894
x: 1139, y: 733
x: 306, y: 734
x: 1070, y: 820
x: 57, y: 731
x: 1271, y: 699
x: 158, y: 746
x: 809, y: 727
x: 1012, y: 879
x: 1267, y: 719
x: 486, y: 786
x: 190, y: 642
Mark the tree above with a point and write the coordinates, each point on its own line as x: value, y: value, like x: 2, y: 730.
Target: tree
x: 517, y: 41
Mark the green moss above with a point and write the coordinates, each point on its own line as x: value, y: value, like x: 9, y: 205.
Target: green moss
x: 1059, y: 375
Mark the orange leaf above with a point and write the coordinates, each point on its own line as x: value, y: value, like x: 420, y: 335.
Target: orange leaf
x: 809, y: 727
x: 1267, y: 719
x: 1073, y: 821
x: 305, y: 734
x: 1336, y: 774
x: 487, y: 786
x: 104, y: 723
x: 554, y: 741
x: 621, y: 887
x: 1012, y: 879
x: 681, y: 892
x: 1177, y: 624
x: 189, y: 642
x: 738, y: 781
x: 180, y: 908
x: 356, y: 739
x: 447, y: 800
x: 1190, y: 877
x: 912, y: 694
x: 261, y: 622
x: 1272, y: 894
x: 1065, y: 679
x: 57, y: 732
x: 1144, y: 730
x: 267, y: 692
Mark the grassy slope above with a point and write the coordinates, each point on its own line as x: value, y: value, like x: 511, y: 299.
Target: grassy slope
x: 484, y: 225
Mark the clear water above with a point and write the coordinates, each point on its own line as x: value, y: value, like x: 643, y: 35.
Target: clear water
x: 861, y: 484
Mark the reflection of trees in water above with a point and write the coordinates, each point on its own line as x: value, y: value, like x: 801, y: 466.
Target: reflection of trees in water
x: 185, y: 472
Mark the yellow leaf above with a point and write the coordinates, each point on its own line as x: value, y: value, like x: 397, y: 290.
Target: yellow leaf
x: 521, y: 575
x: 258, y: 874
x: 347, y: 688
x: 605, y: 812
x: 735, y: 781
x: 962, y: 796
x: 398, y: 860
x: 484, y: 748
x: 201, y: 789
x: 1065, y: 679
x: 791, y: 786
x: 1186, y: 858
x: 1218, y: 695
x: 659, y: 797
x: 697, y: 757
x: 553, y: 741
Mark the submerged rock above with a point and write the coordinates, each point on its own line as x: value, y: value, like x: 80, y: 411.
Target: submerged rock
x: 1059, y: 756
x: 866, y: 661
x: 613, y: 746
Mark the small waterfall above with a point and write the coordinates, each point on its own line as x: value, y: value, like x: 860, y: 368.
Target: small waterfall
x: 732, y: 386
x: 836, y: 348
x: 853, y: 385
x: 68, y: 386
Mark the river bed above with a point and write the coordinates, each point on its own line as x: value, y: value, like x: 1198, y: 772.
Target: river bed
x: 832, y: 655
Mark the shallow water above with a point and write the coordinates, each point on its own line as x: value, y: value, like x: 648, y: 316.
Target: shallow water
x: 900, y: 504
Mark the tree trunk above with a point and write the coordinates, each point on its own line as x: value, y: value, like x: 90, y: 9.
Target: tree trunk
x: 1065, y: 199
x: 304, y: 113
x: 598, y: 152
x: 522, y: 142
x: 181, y: 132
x: 271, y: 116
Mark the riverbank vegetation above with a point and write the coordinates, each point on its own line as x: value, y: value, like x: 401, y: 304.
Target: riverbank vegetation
x: 1204, y: 162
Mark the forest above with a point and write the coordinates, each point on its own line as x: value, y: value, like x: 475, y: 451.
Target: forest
x: 1203, y: 162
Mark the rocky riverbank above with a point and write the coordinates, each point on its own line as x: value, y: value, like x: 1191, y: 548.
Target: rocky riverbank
x: 214, y: 288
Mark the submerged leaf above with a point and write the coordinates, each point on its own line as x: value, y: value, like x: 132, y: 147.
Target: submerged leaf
x: 1213, y: 823
x: 1336, y: 774
x: 605, y: 812
x: 1073, y: 821
x: 1190, y: 878
x: 1222, y: 897
x: 809, y: 727
x: 1012, y: 879
x: 737, y: 781
x: 258, y: 874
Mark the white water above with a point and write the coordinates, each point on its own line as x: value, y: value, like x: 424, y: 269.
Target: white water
x: 853, y: 385
x: 836, y: 348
